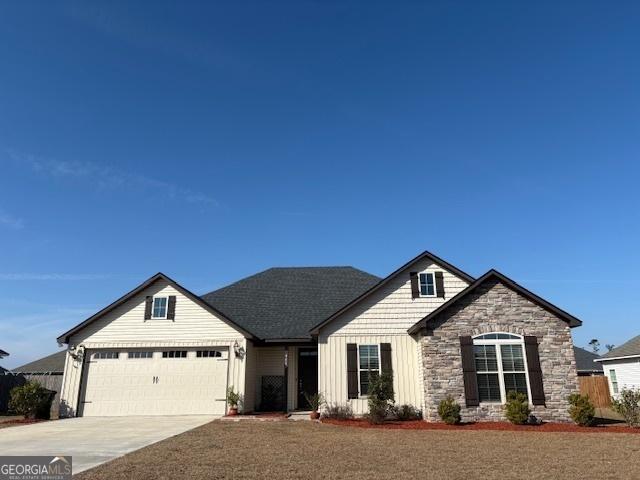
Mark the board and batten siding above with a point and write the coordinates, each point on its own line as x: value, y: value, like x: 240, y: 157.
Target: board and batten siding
x: 125, y: 328
x: 332, y: 381
x: 383, y: 317
x: 627, y: 373
x: 270, y: 361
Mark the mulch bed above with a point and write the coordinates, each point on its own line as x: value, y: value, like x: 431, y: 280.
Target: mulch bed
x: 495, y: 426
x: 21, y: 421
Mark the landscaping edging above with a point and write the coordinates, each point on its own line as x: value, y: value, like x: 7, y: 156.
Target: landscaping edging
x: 495, y: 426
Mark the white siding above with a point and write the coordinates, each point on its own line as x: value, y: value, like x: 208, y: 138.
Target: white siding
x: 627, y: 373
x: 249, y: 400
x: 125, y: 327
x: 127, y: 323
x: 383, y: 317
x: 391, y: 310
x: 332, y: 381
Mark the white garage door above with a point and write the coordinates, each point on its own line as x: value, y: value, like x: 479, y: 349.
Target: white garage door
x: 154, y: 382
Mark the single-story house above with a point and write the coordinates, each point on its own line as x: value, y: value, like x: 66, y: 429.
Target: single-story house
x: 274, y: 336
x: 586, y: 364
x: 622, y: 366
x: 48, y: 372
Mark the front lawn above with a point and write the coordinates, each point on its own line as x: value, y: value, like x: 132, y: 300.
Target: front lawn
x: 285, y: 449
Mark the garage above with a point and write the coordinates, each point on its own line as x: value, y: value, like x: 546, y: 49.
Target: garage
x: 178, y: 381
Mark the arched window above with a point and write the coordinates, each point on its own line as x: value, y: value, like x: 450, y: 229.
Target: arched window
x: 501, y: 366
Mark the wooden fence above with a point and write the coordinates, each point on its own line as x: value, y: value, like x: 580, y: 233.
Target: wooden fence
x: 597, y: 387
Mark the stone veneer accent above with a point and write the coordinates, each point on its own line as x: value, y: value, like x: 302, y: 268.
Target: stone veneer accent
x: 493, y: 307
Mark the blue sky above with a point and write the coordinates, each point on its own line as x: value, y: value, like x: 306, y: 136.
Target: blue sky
x: 211, y: 141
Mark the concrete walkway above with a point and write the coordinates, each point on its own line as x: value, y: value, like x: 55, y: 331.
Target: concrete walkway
x: 94, y: 440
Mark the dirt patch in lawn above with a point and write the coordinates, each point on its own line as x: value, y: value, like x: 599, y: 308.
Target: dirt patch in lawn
x: 495, y: 426
x: 247, y: 450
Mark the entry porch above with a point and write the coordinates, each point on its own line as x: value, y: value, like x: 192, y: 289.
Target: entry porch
x: 278, y: 376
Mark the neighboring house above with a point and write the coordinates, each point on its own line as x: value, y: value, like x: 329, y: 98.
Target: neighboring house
x: 48, y: 372
x: 622, y: 366
x: 586, y: 362
x: 284, y: 332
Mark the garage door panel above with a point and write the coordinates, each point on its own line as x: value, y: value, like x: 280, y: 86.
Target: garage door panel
x: 126, y: 386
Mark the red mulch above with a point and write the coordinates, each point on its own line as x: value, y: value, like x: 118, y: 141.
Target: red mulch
x: 22, y: 421
x: 499, y: 426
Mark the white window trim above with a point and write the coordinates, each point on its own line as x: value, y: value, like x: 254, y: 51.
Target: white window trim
x: 166, y: 308
x: 360, y: 394
x: 501, y: 372
x: 614, y: 390
x: 435, y: 288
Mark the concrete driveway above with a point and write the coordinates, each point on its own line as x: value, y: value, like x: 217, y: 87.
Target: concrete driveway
x: 94, y: 440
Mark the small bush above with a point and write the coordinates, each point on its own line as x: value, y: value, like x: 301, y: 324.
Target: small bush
x: 233, y: 397
x: 336, y: 411
x: 381, y: 397
x: 31, y: 400
x: 517, y: 408
x: 315, y: 400
x: 628, y: 405
x: 581, y: 410
x: 449, y: 411
x: 407, y: 413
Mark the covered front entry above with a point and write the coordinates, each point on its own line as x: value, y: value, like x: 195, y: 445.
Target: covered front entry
x: 178, y: 381
x: 307, y: 376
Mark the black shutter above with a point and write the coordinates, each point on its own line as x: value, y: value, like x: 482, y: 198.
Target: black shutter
x: 439, y: 284
x: 352, y: 370
x: 148, y: 303
x: 385, y: 358
x: 415, y: 288
x: 535, y: 371
x: 469, y: 372
x: 171, y: 308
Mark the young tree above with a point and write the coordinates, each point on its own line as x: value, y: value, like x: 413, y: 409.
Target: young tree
x: 609, y: 346
x: 595, y: 345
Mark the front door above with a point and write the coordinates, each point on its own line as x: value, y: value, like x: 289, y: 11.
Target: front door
x: 307, y: 375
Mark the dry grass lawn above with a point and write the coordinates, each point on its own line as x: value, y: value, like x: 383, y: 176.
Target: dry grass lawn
x: 245, y: 450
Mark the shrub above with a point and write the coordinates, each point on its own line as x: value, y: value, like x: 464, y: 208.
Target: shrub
x: 233, y: 397
x: 407, y: 412
x: 449, y: 411
x: 31, y: 400
x: 581, y: 410
x: 381, y: 397
x: 517, y: 408
x: 315, y: 400
x: 628, y: 405
x: 337, y: 412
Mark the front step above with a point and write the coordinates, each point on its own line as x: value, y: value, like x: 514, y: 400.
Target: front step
x: 299, y: 416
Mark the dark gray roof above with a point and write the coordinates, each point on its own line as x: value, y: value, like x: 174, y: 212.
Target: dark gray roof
x: 53, y: 363
x: 285, y: 303
x: 632, y: 347
x: 585, y: 360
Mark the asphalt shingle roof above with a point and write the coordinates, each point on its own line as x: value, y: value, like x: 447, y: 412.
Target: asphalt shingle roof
x: 585, y: 360
x: 285, y: 303
x: 632, y: 347
x: 53, y: 363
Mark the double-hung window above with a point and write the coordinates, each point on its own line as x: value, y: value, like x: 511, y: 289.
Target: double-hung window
x: 368, y: 364
x: 427, y: 285
x: 614, y: 381
x: 159, y: 309
x: 500, y: 366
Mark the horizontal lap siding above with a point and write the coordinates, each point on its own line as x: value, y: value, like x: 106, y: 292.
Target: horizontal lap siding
x: 125, y: 328
x: 627, y: 373
x: 333, y: 369
x: 391, y: 310
x: 126, y: 322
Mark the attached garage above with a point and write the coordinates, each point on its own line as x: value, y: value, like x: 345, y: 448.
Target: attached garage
x: 174, y: 381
